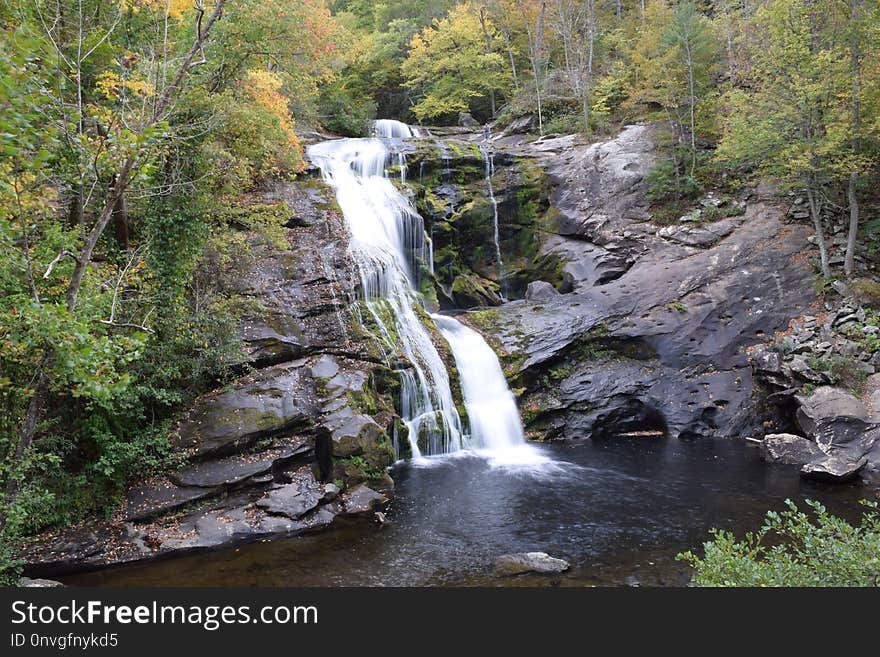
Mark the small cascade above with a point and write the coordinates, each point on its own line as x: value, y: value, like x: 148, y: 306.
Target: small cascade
x: 489, y: 160
x: 494, y: 421
x: 391, y: 129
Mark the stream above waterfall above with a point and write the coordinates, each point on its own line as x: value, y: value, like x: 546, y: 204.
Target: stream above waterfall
x: 618, y: 510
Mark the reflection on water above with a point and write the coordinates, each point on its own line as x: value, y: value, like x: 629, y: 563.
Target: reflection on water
x: 619, y: 511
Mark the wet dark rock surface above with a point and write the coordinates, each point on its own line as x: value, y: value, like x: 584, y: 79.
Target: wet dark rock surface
x: 655, y: 332
x: 257, y: 458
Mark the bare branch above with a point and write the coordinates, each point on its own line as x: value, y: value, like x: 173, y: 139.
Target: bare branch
x: 59, y: 258
x: 107, y: 322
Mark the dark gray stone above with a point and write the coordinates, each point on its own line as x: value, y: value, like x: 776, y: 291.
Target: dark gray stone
x: 278, y: 399
x: 834, y: 468
x: 824, y: 403
x: 295, y: 499
x: 540, y: 291
x: 465, y: 120
x: 362, y: 499
x: 148, y: 501
x: 789, y: 449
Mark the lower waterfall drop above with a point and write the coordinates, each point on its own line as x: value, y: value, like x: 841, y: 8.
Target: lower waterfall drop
x: 494, y: 420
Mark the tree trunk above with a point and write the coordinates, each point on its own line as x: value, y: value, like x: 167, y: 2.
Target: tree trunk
x: 853, y: 198
x: 816, y: 214
x: 488, y: 38
x: 31, y: 421
x: 121, y: 225
x: 513, y: 67
x: 852, y: 188
x: 692, y: 103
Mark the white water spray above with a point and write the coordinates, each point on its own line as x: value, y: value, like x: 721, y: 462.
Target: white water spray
x: 492, y: 414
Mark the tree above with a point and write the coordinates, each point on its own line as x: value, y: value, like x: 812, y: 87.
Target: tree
x: 448, y: 65
x: 689, y: 36
x: 778, y: 124
x: 861, y: 38
x: 120, y: 139
x: 575, y: 23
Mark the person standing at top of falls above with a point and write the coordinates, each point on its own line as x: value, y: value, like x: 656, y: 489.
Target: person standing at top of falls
x: 487, y: 132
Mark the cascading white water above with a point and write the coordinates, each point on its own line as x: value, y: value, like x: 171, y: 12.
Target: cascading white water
x: 391, y: 129
x: 489, y: 161
x: 388, y: 244
x: 491, y: 408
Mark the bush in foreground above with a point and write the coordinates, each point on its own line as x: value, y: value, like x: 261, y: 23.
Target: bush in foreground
x: 794, y: 548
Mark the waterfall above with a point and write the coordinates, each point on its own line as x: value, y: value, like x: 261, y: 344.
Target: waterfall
x: 389, y: 246
x: 492, y: 414
x: 391, y: 129
x: 489, y: 160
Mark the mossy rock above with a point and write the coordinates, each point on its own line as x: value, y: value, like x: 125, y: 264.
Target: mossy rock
x: 471, y: 290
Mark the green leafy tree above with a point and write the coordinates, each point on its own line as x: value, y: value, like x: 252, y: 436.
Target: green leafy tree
x: 778, y: 124
x: 449, y: 68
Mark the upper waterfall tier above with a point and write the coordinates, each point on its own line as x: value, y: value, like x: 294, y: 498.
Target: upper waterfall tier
x: 391, y: 129
x: 389, y: 245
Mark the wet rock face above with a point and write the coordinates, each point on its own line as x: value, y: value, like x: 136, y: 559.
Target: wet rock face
x: 280, y: 399
x: 448, y: 179
x: 653, y: 332
x: 602, y: 187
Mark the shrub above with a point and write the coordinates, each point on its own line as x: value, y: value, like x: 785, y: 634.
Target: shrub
x: 867, y: 291
x: 794, y: 548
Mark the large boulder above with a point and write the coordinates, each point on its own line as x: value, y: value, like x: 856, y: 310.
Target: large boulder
x: 850, y: 434
x: 520, y: 125
x: 529, y: 562
x: 789, y: 449
x: 277, y: 400
x: 353, y: 434
x: 833, y: 468
x: 361, y: 499
x: 540, y: 291
x: 824, y: 403
x: 295, y: 499
x: 465, y: 120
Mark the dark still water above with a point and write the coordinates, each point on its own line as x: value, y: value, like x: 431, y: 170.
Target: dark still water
x: 618, y: 511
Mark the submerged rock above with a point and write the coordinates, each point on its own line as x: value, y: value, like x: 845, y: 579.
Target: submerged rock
x: 526, y: 562
x: 37, y: 583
